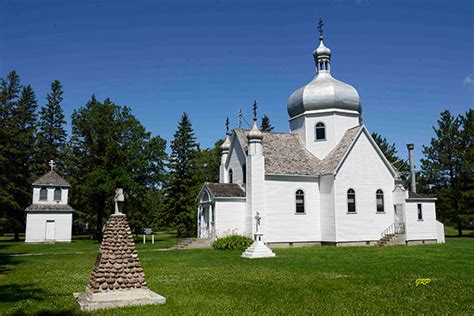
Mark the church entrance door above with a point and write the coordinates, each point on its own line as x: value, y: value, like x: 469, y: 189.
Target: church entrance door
x: 399, y: 218
x: 50, y: 229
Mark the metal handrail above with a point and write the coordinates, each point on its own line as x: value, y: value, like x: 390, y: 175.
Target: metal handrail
x: 395, y: 228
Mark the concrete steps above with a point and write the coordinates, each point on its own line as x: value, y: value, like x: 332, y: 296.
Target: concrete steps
x: 392, y: 240
x: 193, y: 243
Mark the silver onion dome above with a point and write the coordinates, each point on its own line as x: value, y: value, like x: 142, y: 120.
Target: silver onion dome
x: 323, y: 92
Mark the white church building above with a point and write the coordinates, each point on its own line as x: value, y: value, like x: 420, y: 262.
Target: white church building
x: 324, y: 182
x: 49, y: 217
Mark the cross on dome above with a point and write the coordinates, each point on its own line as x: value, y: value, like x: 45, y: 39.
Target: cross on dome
x: 52, y: 164
x: 254, y: 108
x: 320, y: 28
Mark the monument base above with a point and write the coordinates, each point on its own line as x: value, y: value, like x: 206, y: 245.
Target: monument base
x: 89, y: 301
x: 258, y: 250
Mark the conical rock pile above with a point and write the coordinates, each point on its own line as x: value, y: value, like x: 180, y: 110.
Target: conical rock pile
x: 117, y: 265
x: 117, y: 278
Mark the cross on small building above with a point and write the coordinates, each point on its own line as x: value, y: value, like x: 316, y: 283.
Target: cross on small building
x: 52, y: 164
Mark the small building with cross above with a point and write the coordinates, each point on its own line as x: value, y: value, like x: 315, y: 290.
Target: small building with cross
x: 49, y: 217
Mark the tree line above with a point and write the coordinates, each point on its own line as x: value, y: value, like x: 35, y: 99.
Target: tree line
x: 108, y: 147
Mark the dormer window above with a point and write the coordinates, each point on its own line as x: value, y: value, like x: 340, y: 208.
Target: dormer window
x: 43, y: 194
x: 320, y: 131
x: 57, y: 194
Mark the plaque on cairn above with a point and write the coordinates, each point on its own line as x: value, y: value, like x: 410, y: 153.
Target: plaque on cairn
x: 117, y: 278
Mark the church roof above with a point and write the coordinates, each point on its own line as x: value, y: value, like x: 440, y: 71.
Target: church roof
x: 332, y: 160
x: 49, y: 207
x: 225, y: 189
x: 420, y: 196
x: 284, y: 153
x: 51, y: 178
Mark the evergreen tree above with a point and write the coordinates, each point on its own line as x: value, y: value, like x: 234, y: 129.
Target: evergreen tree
x: 391, y: 153
x: 51, y: 136
x: 209, y: 161
x: 109, y: 148
x: 17, y: 131
x: 442, y: 167
x: 265, y: 125
x: 183, y: 183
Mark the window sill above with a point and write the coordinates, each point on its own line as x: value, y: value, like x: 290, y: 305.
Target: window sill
x: 380, y: 213
x: 420, y: 220
x: 351, y: 213
x: 300, y: 213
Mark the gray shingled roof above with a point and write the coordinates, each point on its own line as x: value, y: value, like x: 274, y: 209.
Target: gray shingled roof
x: 48, y: 207
x: 332, y: 160
x: 225, y: 189
x: 284, y: 153
x: 420, y: 196
x: 51, y: 178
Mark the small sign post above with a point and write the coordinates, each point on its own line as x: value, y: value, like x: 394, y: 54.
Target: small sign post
x: 148, y: 231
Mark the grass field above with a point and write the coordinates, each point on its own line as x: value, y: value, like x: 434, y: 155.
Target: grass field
x: 322, y: 280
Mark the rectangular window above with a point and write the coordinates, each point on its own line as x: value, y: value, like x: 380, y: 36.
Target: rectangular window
x: 420, y: 212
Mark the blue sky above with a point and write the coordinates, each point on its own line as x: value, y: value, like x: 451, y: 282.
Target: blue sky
x: 409, y: 60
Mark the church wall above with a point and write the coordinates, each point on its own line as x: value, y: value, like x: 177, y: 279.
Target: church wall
x: 328, y: 221
x: 282, y: 224
x: 230, y: 218
x: 365, y: 172
x: 420, y: 229
x: 236, y: 161
x: 297, y: 127
x: 36, y: 226
x: 336, y: 125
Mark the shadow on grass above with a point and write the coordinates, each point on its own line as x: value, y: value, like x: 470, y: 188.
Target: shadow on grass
x: 6, y: 260
x: 11, y: 293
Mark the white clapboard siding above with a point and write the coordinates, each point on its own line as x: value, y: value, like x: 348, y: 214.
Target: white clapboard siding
x: 365, y: 172
x: 282, y: 224
x: 328, y: 221
x: 229, y: 217
x: 236, y: 163
x: 421, y: 229
x: 36, y: 226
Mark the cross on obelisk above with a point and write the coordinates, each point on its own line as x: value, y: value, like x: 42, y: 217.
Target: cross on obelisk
x: 52, y: 164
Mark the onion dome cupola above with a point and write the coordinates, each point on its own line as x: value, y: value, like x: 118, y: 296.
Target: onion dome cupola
x: 323, y: 92
x: 255, y: 134
x: 226, y: 144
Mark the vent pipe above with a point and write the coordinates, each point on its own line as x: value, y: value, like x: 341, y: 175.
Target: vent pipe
x: 412, y: 167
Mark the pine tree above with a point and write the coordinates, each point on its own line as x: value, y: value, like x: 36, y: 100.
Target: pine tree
x: 183, y: 183
x: 391, y: 153
x: 265, y: 125
x: 52, y: 133
x: 442, y: 165
x: 17, y: 110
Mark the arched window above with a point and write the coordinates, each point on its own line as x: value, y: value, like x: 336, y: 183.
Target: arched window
x: 57, y: 194
x: 299, y: 201
x: 43, y: 194
x: 379, y: 198
x: 231, y: 176
x: 244, y: 173
x: 351, y: 201
x: 320, y: 131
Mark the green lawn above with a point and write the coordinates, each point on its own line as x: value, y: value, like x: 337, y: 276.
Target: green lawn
x: 322, y: 280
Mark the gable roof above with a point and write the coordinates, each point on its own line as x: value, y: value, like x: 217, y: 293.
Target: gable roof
x: 225, y: 189
x: 332, y: 160
x: 49, y: 207
x: 420, y: 196
x: 51, y: 178
x: 284, y: 153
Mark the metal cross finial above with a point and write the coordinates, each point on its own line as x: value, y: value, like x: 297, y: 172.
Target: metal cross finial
x: 239, y: 116
x: 227, y: 126
x: 254, y: 107
x: 52, y: 164
x: 320, y: 27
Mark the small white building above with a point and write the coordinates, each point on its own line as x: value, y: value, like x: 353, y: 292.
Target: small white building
x: 324, y: 182
x: 49, y: 217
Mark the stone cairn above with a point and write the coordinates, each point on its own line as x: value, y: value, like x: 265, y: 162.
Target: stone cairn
x: 117, y: 265
x: 117, y: 278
